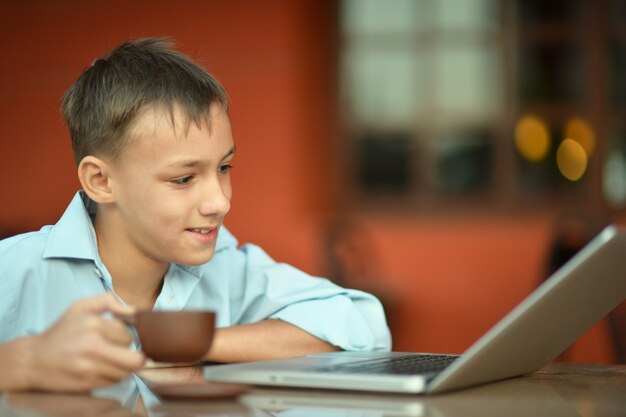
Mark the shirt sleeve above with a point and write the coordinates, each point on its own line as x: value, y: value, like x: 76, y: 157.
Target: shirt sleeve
x: 349, y: 319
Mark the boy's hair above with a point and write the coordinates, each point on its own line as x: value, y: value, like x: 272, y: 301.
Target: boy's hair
x: 102, y: 103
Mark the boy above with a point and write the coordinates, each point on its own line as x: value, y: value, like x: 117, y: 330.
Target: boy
x: 153, y: 144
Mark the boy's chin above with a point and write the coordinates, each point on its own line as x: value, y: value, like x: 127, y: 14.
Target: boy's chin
x: 196, y: 260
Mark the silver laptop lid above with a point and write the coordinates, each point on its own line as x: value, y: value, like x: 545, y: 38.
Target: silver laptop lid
x: 575, y: 297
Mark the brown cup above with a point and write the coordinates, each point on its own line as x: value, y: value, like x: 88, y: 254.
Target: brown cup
x: 174, y: 336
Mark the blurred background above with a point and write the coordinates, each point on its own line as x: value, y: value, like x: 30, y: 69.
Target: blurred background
x: 445, y: 155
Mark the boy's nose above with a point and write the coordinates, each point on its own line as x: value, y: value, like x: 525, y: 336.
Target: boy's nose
x: 215, y: 201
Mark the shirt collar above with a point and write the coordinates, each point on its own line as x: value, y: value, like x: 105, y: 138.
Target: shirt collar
x: 74, y: 236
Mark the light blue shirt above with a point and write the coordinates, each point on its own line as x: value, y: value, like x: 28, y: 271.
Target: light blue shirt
x: 42, y: 273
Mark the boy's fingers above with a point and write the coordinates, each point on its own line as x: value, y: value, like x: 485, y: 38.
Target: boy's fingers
x: 102, y: 377
x: 116, y: 332
x: 122, y: 358
x: 120, y: 309
x: 96, y: 305
x: 102, y: 303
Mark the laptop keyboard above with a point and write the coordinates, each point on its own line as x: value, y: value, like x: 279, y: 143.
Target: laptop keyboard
x: 414, y: 364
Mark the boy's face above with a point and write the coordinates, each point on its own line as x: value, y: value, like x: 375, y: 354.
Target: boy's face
x: 172, y: 187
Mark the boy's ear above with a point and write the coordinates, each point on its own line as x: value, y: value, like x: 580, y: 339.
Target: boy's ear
x: 93, y: 174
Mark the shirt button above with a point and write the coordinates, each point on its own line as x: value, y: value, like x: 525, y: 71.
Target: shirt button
x: 98, y: 273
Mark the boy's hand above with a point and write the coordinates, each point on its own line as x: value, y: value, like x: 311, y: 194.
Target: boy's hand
x: 83, y: 350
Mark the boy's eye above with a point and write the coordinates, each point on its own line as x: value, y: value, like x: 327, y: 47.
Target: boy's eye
x: 182, y: 180
x: 225, y: 169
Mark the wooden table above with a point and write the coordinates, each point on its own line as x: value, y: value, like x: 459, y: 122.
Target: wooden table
x: 557, y: 390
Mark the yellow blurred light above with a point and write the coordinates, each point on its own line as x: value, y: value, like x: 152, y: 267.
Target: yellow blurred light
x: 581, y: 131
x: 571, y: 158
x: 532, y: 139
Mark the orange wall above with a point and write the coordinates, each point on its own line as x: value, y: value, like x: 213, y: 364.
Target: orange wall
x: 452, y: 278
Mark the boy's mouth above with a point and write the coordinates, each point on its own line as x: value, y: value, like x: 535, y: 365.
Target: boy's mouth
x: 203, y: 231
x: 203, y: 234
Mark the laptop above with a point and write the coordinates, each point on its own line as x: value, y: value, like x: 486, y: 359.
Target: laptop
x: 543, y: 325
